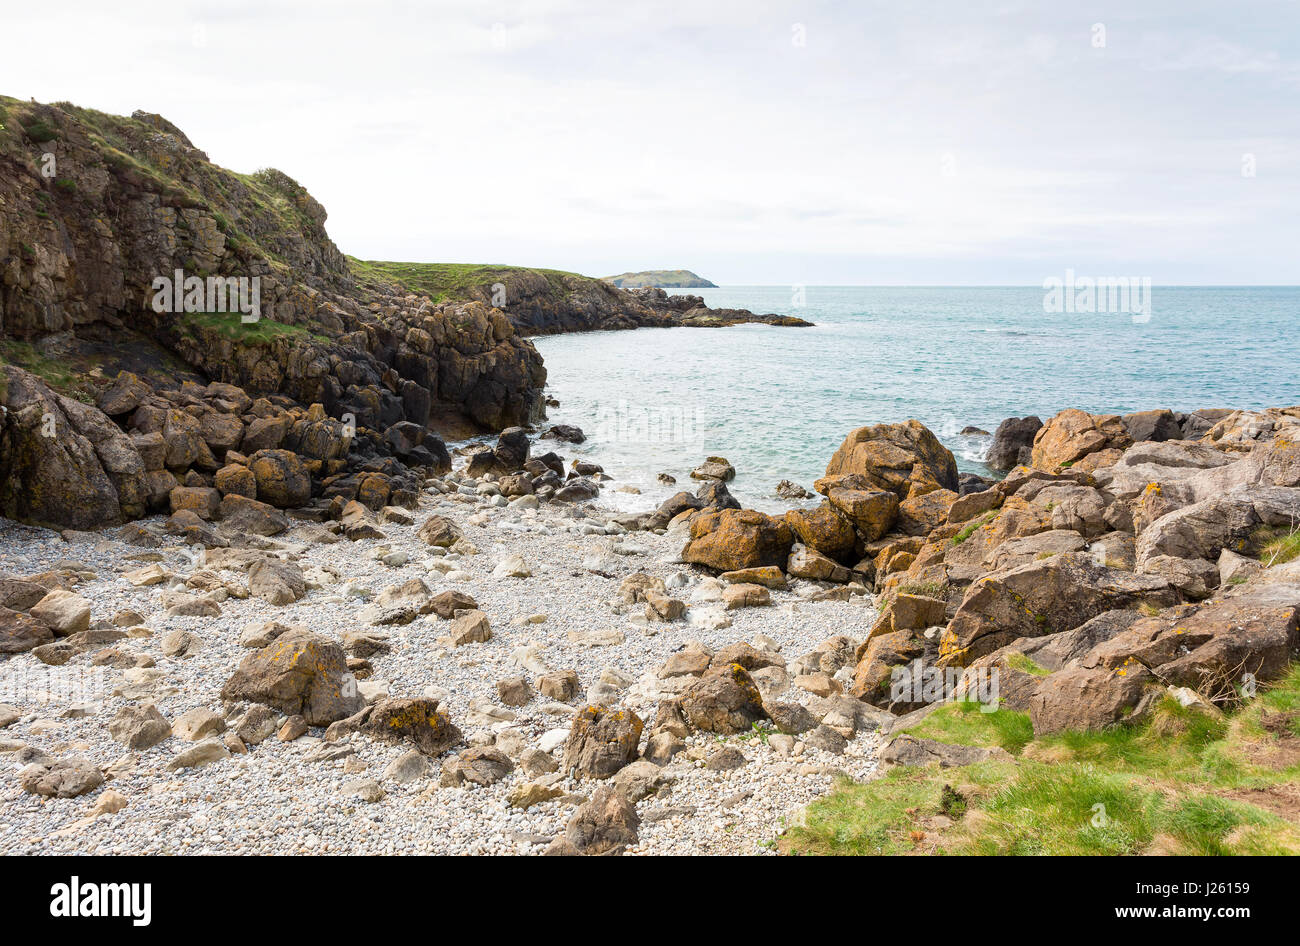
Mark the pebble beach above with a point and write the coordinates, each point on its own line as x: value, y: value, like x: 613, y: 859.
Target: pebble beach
x: 548, y: 578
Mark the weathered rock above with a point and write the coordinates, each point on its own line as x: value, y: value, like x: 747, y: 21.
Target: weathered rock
x: 601, y: 741
x: 420, y: 722
x: 905, y: 749
x: 470, y: 627
x: 440, y: 531
x: 738, y: 538
x: 139, y: 727
x: 298, y: 673
x: 276, y: 582
x: 61, y: 778
x: 1071, y: 435
x: 604, y: 825
x: 725, y: 700
x: 1043, y: 597
x: 20, y: 633
x: 906, y: 459
x: 735, y: 597
x: 483, y: 765
x: 805, y: 562
x: 63, y: 612
x: 1013, y: 443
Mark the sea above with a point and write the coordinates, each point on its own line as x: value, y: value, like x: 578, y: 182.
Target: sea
x: 776, y: 402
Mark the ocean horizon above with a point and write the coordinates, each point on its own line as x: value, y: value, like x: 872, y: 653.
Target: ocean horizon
x: 777, y: 401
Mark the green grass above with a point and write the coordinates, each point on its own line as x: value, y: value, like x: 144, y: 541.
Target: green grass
x: 1176, y: 784
x: 231, y: 325
x: 966, y: 724
x: 1025, y: 664
x: 924, y: 589
x: 969, y: 529
x: 449, y: 282
x: 1279, y: 549
x: 53, y: 372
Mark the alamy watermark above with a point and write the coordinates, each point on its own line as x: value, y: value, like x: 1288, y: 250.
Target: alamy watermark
x: 181, y: 293
x: 660, y: 424
x: 1118, y: 294
x: 918, y: 683
x: 53, y: 684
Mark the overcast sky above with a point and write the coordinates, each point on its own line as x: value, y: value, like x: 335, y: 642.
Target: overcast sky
x: 953, y: 142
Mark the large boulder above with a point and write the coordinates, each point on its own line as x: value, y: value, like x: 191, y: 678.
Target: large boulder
x: 299, y: 674
x: 605, y: 824
x: 1080, y: 698
x: 1043, y: 597
x: 282, y: 478
x: 601, y: 741
x: 738, y: 538
x: 1201, y: 530
x: 64, y: 464
x: 1072, y: 435
x: 906, y: 459
x: 823, y: 529
x: 872, y: 511
x: 725, y: 700
x: 420, y: 722
x: 1013, y: 443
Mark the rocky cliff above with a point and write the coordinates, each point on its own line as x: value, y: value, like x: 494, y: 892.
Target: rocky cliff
x: 94, y: 210
x: 552, y: 302
x: 147, y: 293
x: 662, y: 278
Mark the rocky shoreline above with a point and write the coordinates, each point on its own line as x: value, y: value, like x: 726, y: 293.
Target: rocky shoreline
x: 493, y: 662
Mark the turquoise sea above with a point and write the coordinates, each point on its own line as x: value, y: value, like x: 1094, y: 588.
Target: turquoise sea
x: 778, y: 401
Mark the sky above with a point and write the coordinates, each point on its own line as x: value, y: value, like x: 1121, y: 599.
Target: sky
x: 932, y: 142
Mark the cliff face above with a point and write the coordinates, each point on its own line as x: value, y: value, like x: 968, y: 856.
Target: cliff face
x: 93, y: 208
x: 552, y: 302
x: 113, y: 405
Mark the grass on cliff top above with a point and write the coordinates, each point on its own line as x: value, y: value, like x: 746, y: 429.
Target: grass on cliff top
x: 54, y: 372
x: 1279, y: 549
x: 450, y: 282
x: 1186, y: 782
x: 232, y: 326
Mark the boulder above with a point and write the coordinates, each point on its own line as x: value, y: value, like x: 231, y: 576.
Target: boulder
x: 420, y: 722
x: 601, y: 741
x: 282, y: 478
x: 1043, y: 597
x: 276, y: 582
x: 725, y: 700
x: 299, y: 673
x: 63, y: 464
x: 605, y: 824
x: 1013, y: 443
x: 63, y: 612
x: 481, y: 765
x: 872, y: 511
x: 805, y: 562
x: 823, y: 529
x: 1072, y: 434
x: 1080, y: 698
x: 440, y: 531
x: 906, y: 459
x: 60, y: 778
x: 906, y: 749
x: 738, y: 538
x: 20, y: 633
x: 714, y: 468
x: 139, y: 727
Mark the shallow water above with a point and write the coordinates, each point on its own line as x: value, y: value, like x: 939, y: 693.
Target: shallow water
x: 778, y: 401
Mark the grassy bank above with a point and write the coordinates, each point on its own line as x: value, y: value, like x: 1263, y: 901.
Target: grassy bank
x: 450, y: 282
x: 1186, y: 782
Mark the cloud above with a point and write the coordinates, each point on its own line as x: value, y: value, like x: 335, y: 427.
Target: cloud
x: 604, y: 137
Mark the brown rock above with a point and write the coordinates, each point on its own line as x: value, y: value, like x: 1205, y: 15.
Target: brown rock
x: 601, y: 741
x: 738, y: 538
